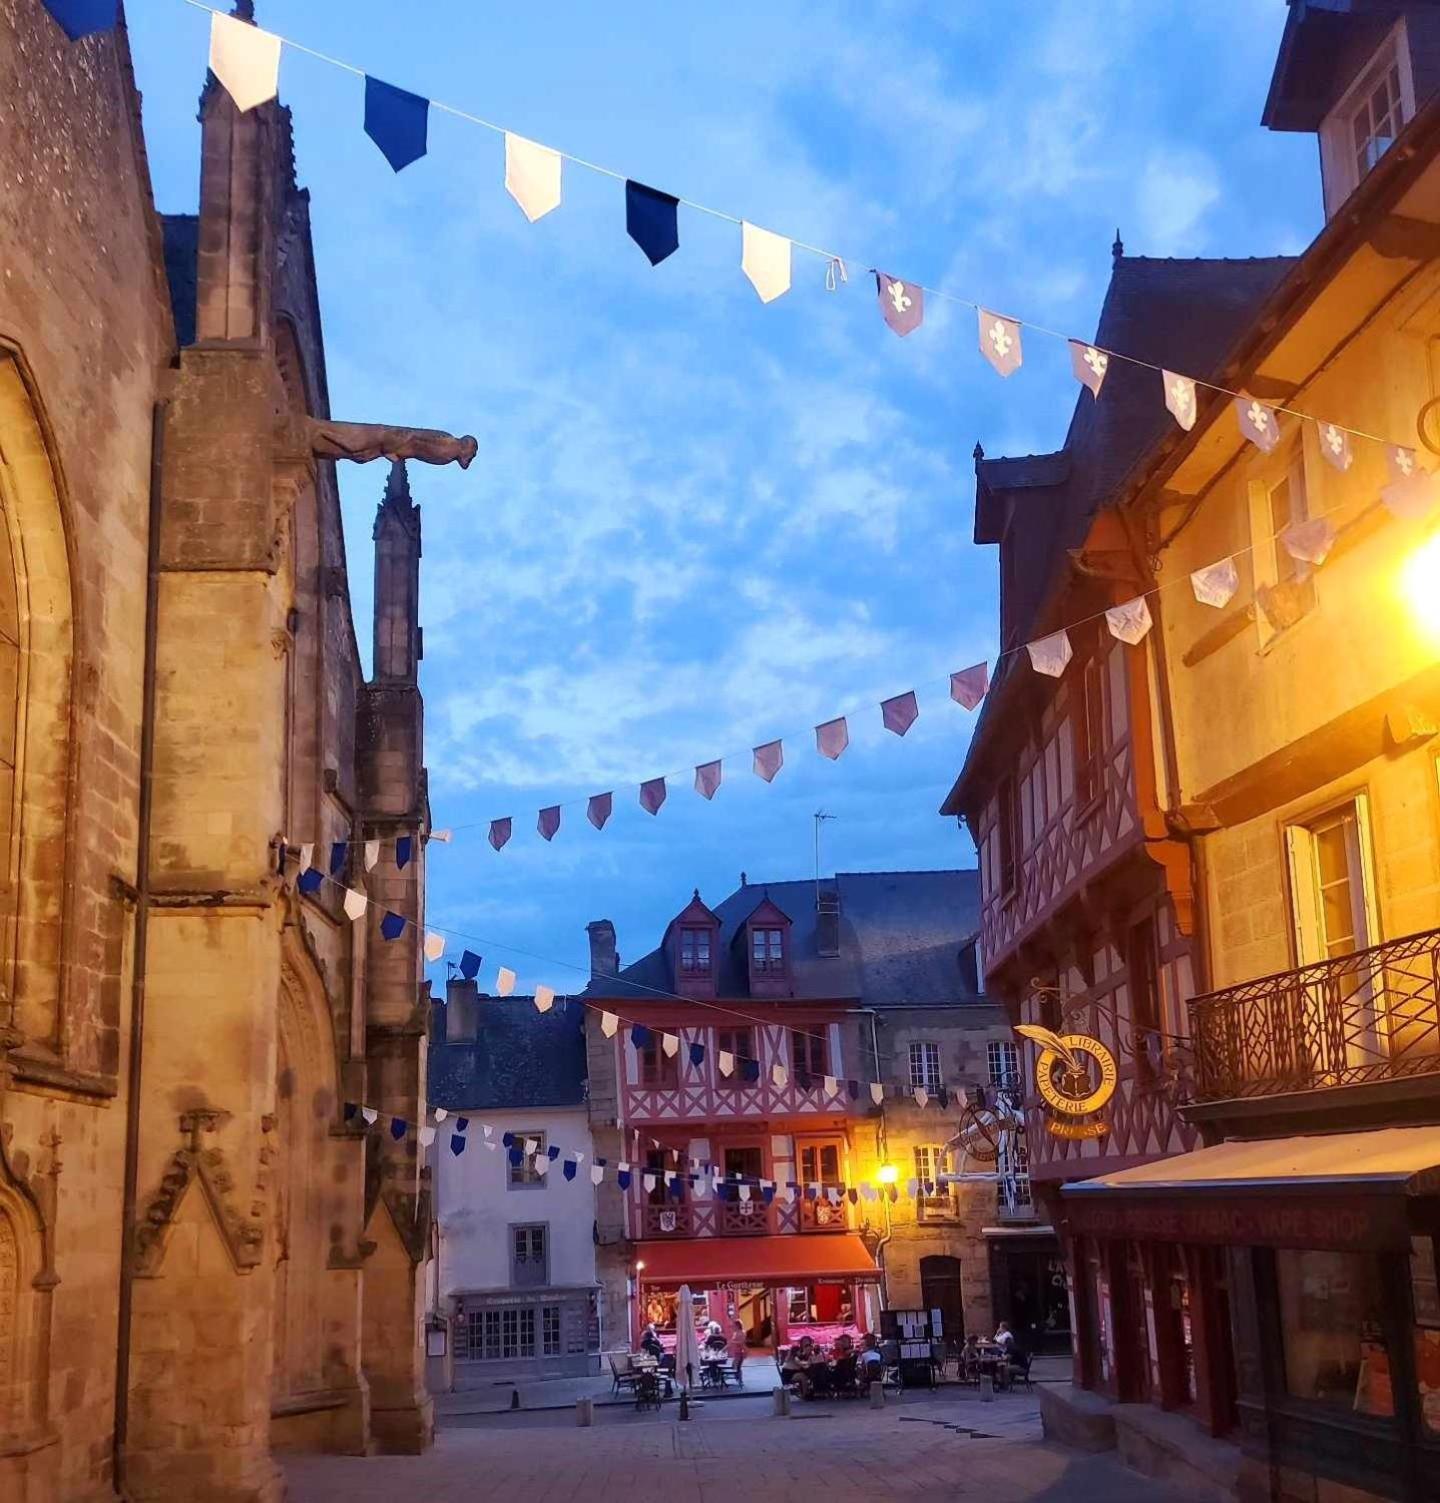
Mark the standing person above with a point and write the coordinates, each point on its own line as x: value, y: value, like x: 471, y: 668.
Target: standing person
x: 736, y: 1348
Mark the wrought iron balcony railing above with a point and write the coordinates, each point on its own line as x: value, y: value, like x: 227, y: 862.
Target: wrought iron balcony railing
x: 1370, y: 1016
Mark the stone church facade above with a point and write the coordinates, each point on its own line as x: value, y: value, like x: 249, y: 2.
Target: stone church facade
x: 201, y: 1260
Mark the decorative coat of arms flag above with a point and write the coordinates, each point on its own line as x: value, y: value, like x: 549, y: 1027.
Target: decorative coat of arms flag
x: 970, y: 685
x: 1335, y: 446
x: 900, y: 712
x: 1050, y: 655
x: 244, y: 58
x: 707, y: 779
x: 652, y: 221
x: 769, y: 759
x: 1129, y: 622
x: 1000, y: 341
x: 549, y: 821
x: 902, y: 304
x: 652, y: 795
x: 599, y: 809
x: 1088, y: 364
x: 1180, y: 398
x: 1411, y: 491
x: 500, y: 832
x: 1309, y: 542
x: 765, y: 259
x: 396, y: 121
x: 532, y: 176
x: 832, y: 738
x: 1257, y: 422
x: 1216, y: 584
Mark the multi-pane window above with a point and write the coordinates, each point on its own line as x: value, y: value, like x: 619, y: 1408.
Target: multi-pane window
x: 767, y: 950
x: 549, y: 1330
x: 934, y: 1199
x: 746, y: 1163
x: 1088, y: 728
x: 695, y: 952
x: 523, y: 1175
x: 1012, y: 1167
x: 656, y: 1067
x: 925, y: 1066
x: 808, y: 1052
x: 1003, y: 1059
x: 1377, y: 120
x: 1007, y: 835
x: 529, y: 1260
x: 736, y: 1042
x: 1287, y: 505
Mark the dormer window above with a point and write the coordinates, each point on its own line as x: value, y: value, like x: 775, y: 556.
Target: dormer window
x: 695, y: 951
x: 1365, y: 122
x: 767, y: 951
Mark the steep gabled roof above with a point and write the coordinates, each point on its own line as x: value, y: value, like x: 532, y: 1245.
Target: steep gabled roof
x: 518, y: 1058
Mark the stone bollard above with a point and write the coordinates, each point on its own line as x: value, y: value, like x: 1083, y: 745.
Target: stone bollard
x: 987, y: 1389
x: 780, y: 1397
x: 877, y: 1395
x: 584, y: 1412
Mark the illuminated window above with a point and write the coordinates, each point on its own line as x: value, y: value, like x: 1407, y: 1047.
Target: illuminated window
x: 695, y: 952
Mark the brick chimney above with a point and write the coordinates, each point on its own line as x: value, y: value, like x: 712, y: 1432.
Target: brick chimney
x: 603, y: 959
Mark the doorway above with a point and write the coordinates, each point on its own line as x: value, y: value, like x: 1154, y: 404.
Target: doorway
x: 940, y: 1290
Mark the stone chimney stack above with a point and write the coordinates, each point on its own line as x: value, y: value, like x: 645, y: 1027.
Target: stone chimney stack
x: 603, y: 959
x: 462, y: 1010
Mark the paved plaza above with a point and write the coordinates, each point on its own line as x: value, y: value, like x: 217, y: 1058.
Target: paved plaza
x: 940, y: 1447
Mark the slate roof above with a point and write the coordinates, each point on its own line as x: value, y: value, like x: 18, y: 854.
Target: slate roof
x: 900, y: 938
x: 518, y: 1058
x: 181, y: 233
x: 1183, y: 315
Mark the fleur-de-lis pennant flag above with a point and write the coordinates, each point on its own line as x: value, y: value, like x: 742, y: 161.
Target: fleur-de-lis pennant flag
x: 1335, y: 446
x: 1129, y: 622
x: 504, y: 981
x: 1216, y: 583
x: 832, y: 738
x: 652, y: 795
x: 1050, y: 655
x: 1088, y: 364
x: 499, y: 833
x: 548, y: 821
x: 769, y: 759
x: 1000, y: 341
x: 902, y: 304
x: 707, y: 779
x: 899, y: 713
x: 79, y: 18
x: 1309, y: 542
x: 599, y: 809
x: 1180, y: 398
x: 245, y: 59
x: 532, y: 176
x: 765, y: 259
x: 396, y: 121
x: 652, y: 221
x: 1411, y: 491
x: 1257, y: 422
x: 370, y: 1115
x: 970, y: 685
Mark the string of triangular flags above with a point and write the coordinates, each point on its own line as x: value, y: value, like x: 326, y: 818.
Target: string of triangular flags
x: 527, y: 1152
x: 246, y: 60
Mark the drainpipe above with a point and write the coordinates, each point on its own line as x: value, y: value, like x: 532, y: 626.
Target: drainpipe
x: 884, y: 1155
x: 138, y: 961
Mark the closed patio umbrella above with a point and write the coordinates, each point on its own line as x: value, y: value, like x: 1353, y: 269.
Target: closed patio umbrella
x: 687, y: 1344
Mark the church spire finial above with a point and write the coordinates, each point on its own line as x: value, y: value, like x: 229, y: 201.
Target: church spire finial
x: 1118, y: 249
x: 397, y: 482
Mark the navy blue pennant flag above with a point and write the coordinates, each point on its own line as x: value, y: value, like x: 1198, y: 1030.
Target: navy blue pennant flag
x: 805, y: 1080
x: 622, y: 1177
x: 640, y: 1036
x: 461, y: 1123
x: 397, y: 1128
x: 517, y: 1156
x: 894, y: 1193
x: 750, y: 1070
x: 652, y: 221
x: 457, y: 1144
x: 552, y: 1153
x: 570, y: 1168
x: 507, y: 1140
x: 396, y: 121
x: 337, y: 857
x: 811, y: 1193
x: 943, y: 1097
x: 854, y: 1087
x: 350, y: 1111
x: 470, y: 965
x: 767, y: 1193
x: 403, y: 847
x: 78, y: 18
x: 853, y: 1196
x: 677, y: 1187
x: 392, y: 926
x: 697, y: 1055
x: 309, y: 881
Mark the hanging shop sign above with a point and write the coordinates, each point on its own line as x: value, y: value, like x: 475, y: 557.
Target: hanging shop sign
x: 1076, y: 1077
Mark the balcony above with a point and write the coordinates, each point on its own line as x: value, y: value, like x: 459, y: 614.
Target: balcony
x: 673, y: 1220
x: 1357, y: 1020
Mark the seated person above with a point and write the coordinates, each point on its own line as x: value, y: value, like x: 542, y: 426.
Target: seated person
x: 1004, y: 1337
x: 844, y: 1376
x: 844, y: 1345
x: 714, y: 1340
x: 650, y: 1342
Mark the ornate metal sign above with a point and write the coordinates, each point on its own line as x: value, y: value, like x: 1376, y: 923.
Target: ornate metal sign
x: 1075, y: 1076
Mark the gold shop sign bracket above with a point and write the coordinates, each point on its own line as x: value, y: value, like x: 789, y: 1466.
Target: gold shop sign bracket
x: 1075, y: 1076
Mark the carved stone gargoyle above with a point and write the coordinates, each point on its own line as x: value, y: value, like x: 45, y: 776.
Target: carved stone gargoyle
x: 363, y: 442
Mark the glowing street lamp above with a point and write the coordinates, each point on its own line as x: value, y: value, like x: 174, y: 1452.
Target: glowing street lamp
x: 1420, y: 584
x: 888, y: 1174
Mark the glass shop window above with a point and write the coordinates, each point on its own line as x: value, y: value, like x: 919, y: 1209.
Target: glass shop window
x: 1332, y: 1323
x: 1425, y: 1302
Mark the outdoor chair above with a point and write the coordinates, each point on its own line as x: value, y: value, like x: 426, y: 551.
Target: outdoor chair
x: 844, y: 1383
x: 1020, y: 1368
x: 621, y: 1375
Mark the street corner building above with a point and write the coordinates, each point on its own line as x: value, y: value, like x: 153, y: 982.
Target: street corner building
x: 204, y: 1257
x: 1210, y: 847
x: 754, y: 1163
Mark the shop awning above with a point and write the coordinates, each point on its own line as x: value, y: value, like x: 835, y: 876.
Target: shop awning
x: 1335, y: 1190
x: 801, y: 1258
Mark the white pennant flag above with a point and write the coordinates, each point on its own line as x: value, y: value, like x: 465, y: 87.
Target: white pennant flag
x: 1335, y: 445
x: 922, y: 1097
x: 504, y: 982
x: 912, y: 1188
x: 869, y: 1191
x: 578, y: 1156
x: 532, y: 176
x: 726, y: 1061
x: 832, y: 1086
x: 441, y: 1114
x: 427, y: 1136
x: 443, y: 837
x: 780, y: 1075
x: 541, y: 1165
x: 355, y: 904
x: 488, y: 1128
x: 1050, y: 655
x: 877, y: 1092
x: 670, y: 1043
x: 245, y: 59
x: 1130, y: 622
x: 1309, y: 542
x: 1180, y: 398
x: 544, y: 998
x: 307, y: 855
x: 1216, y: 583
x: 765, y: 259
x: 597, y: 1173
x: 1257, y: 422
x: 434, y: 946
x: 1000, y: 341
x: 1088, y: 364
x: 744, y: 1192
x: 648, y: 1180
x: 372, y: 854
x: 369, y: 1113
x: 531, y: 1144
x: 609, y: 1023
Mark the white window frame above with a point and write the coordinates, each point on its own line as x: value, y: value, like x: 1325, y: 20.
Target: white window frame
x: 943, y: 1205
x: 522, y: 1176
x: 924, y: 1053
x: 997, y: 1051
x: 1293, y: 460
x: 1338, y: 169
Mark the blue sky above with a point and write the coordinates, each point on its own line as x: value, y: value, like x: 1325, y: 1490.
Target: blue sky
x: 697, y: 522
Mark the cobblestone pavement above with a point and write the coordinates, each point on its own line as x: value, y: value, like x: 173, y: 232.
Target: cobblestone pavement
x: 737, y: 1452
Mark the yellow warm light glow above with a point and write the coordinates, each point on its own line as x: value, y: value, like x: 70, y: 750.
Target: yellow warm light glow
x: 1420, y: 582
x: 888, y: 1174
